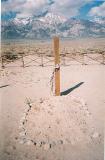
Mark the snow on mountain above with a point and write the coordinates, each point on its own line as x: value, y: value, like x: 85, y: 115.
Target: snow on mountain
x: 100, y: 20
x: 53, y: 19
x: 49, y: 25
x: 82, y: 28
x: 22, y: 21
x: 75, y: 30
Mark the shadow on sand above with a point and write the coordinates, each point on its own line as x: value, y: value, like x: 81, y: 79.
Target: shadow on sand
x: 71, y: 89
x: 4, y: 86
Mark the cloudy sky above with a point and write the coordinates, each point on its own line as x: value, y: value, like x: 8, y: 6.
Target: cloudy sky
x: 86, y: 9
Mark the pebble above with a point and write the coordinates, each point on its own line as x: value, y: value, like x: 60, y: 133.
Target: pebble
x: 22, y: 141
x: 73, y: 142
x: 46, y: 147
x: 60, y: 142
x: 83, y: 103
x: 22, y: 134
x: 53, y: 144
x: 95, y: 135
x: 21, y: 127
x: 65, y: 142
x: 28, y: 142
x: 26, y: 110
x: 24, y: 114
x: 23, y: 119
x: 38, y: 144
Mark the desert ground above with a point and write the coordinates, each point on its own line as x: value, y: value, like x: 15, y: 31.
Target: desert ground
x: 37, y: 125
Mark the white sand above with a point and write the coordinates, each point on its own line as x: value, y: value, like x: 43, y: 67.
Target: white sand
x: 59, y: 119
x: 34, y: 83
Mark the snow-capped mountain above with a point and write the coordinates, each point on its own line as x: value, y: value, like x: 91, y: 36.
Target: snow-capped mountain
x: 82, y: 28
x: 49, y: 25
x: 22, y: 21
x: 100, y: 20
x: 53, y: 19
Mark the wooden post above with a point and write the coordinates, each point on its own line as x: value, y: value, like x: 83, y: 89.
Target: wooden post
x: 64, y: 60
x: 42, y: 64
x: 103, y: 58
x: 57, y: 66
x: 2, y: 63
x: 82, y: 54
x: 23, y: 62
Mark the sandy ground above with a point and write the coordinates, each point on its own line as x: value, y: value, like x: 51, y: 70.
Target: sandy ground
x: 32, y: 84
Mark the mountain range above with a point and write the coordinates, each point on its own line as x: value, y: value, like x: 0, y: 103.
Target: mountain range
x: 50, y: 25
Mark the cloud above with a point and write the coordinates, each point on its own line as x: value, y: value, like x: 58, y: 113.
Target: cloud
x: 12, y: 5
x: 27, y: 8
x: 69, y: 8
x: 98, y: 11
x: 34, y: 8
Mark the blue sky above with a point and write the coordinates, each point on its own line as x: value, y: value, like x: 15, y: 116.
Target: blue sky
x: 84, y: 9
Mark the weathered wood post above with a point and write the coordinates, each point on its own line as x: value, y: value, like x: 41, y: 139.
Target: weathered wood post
x: 57, y: 66
x: 2, y: 62
x: 103, y: 58
x: 64, y: 62
x: 42, y: 64
x: 83, y: 58
x: 23, y: 65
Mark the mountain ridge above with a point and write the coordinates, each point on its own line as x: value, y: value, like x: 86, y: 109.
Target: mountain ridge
x: 50, y: 25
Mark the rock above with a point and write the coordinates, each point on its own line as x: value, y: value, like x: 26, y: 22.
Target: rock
x: 65, y: 142
x: 21, y: 128
x: 14, y: 147
x: 83, y: 102
x: 26, y: 110
x: 41, y: 100
x: 60, y: 142
x: 38, y: 144
x: 53, y: 144
x: 16, y: 138
x: 24, y: 114
x: 46, y: 147
x: 22, y: 141
x: 72, y: 142
x: 22, y: 134
x: 33, y: 142
x: 28, y: 142
x: 23, y: 118
x: 95, y: 135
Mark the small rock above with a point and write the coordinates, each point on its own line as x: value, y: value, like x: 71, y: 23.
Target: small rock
x: 38, y: 144
x: 65, y: 142
x: 60, y: 142
x: 33, y: 142
x: 46, y: 146
x: 41, y: 100
x: 8, y: 153
x: 14, y: 147
x: 53, y: 144
x: 21, y: 126
x: 22, y: 141
x: 22, y: 134
x: 95, y: 135
x: 43, y: 143
x: 24, y: 114
x: 16, y: 138
x: 83, y: 102
x: 26, y: 110
x: 23, y: 118
x: 72, y: 142
x: 28, y: 142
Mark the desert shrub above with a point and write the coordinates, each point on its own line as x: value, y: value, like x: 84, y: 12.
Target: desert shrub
x: 21, y: 53
x: 10, y: 56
